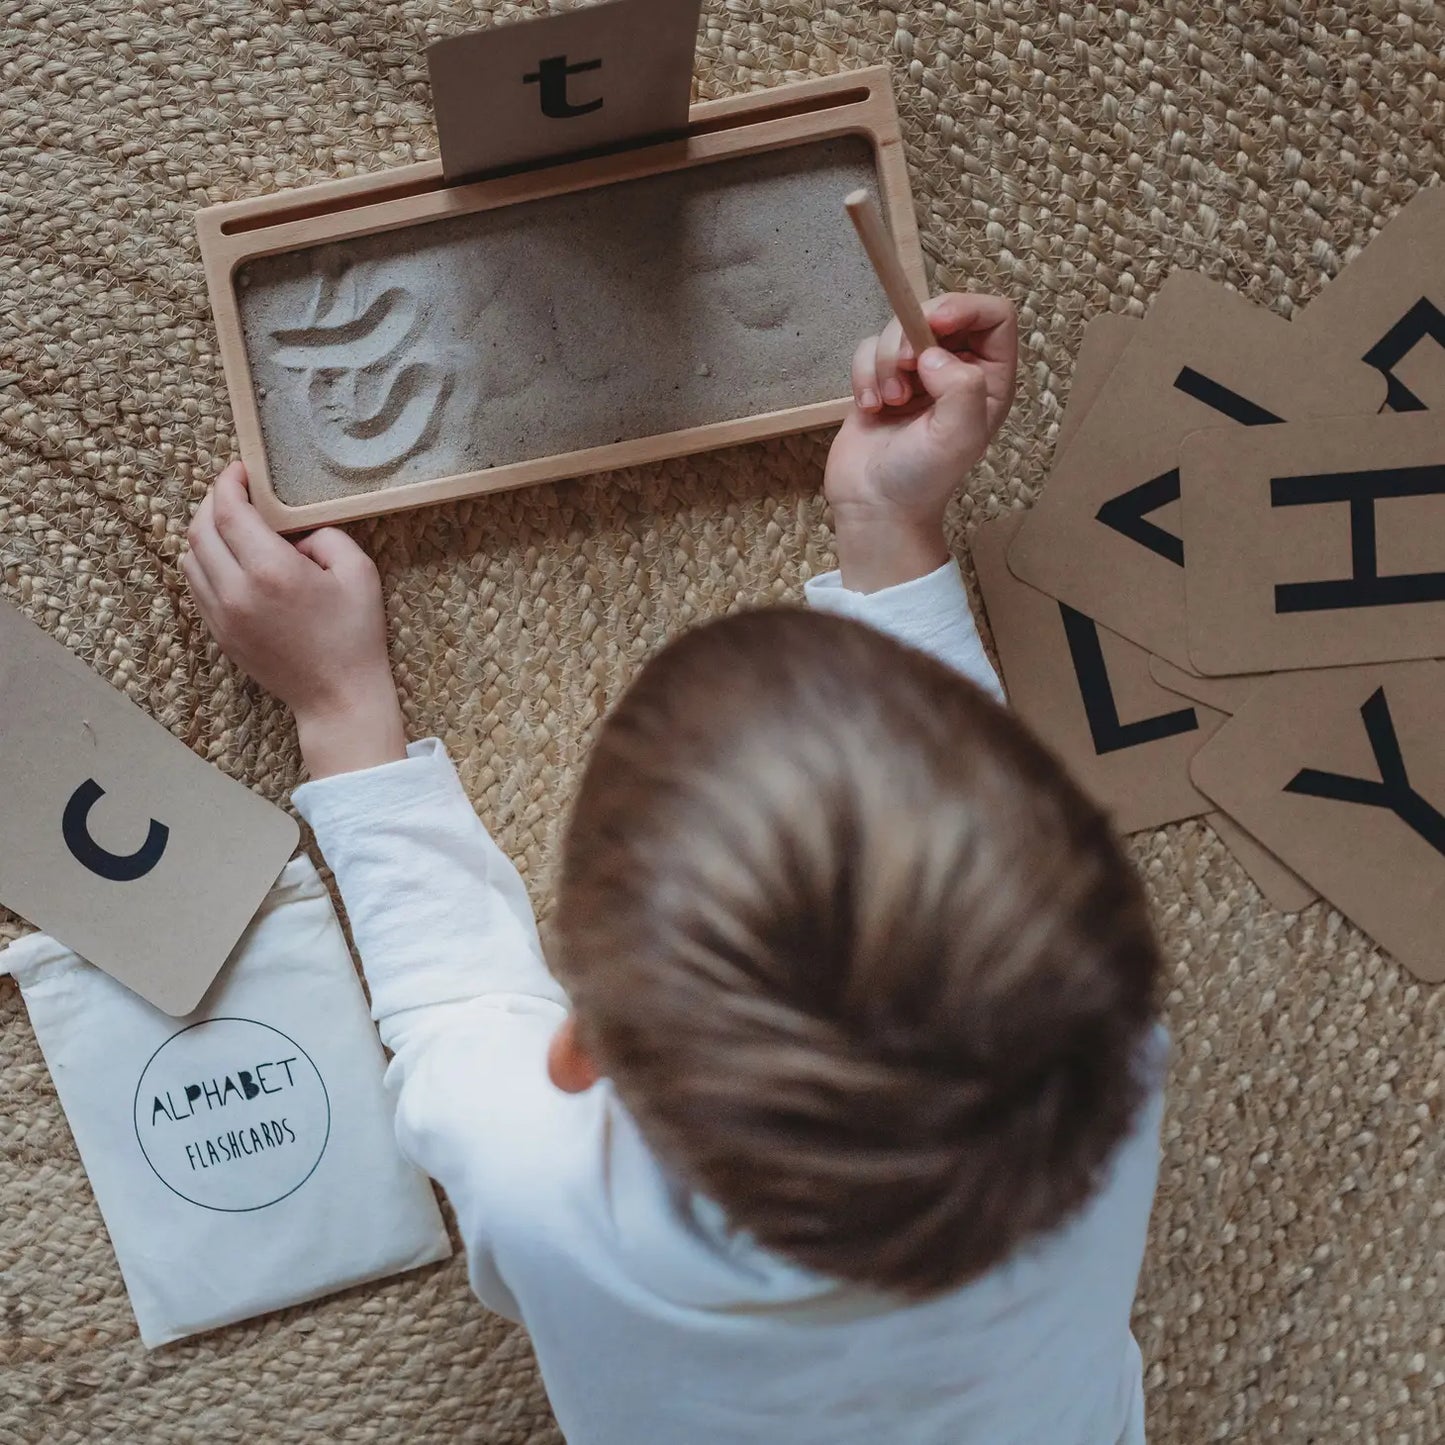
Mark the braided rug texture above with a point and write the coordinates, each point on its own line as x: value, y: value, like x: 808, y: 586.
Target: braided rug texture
x: 1295, y: 1283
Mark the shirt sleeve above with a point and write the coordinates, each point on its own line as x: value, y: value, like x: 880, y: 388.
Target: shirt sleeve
x: 459, y: 989
x: 930, y: 613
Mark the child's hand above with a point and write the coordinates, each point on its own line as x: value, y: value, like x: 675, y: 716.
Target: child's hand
x: 916, y: 428
x: 305, y: 621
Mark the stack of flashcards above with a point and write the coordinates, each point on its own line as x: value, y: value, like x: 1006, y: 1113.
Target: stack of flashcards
x: 1229, y: 598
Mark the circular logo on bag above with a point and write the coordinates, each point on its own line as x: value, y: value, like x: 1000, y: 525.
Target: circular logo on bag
x: 232, y: 1114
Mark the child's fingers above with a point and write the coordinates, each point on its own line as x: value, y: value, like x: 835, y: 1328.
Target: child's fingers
x: 986, y: 325
x: 325, y: 546
x: 331, y: 549
x: 893, y: 386
x: 250, y: 540
x: 865, y: 375
x: 206, y: 542
x: 958, y: 418
x: 945, y: 315
x: 201, y: 587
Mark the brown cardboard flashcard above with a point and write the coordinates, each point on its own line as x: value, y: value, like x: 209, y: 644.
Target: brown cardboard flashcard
x: 1224, y: 694
x: 578, y: 81
x: 1388, y: 305
x: 1281, y: 887
x: 1088, y: 694
x: 1341, y: 774
x: 1317, y: 544
x: 1106, y: 338
x: 115, y: 837
x: 1105, y: 535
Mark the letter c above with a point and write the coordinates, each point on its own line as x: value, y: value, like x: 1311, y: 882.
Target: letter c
x: 119, y: 867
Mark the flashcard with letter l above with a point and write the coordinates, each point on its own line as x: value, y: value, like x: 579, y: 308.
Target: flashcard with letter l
x: 1318, y: 544
x: 580, y: 80
x: 1388, y: 305
x: 115, y: 837
x: 1088, y: 694
x: 1105, y: 535
x: 1341, y: 773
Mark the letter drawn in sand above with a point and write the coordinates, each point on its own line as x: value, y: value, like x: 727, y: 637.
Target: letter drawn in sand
x: 372, y: 400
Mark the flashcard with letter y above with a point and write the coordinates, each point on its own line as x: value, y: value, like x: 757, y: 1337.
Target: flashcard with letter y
x: 1341, y: 773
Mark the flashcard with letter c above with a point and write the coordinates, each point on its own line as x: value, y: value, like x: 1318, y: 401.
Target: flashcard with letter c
x: 114, y: 836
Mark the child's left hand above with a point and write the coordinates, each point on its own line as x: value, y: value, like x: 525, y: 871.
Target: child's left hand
x: 305, y: 620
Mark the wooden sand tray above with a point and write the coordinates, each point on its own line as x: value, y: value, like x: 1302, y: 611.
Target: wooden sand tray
x: 601, y: 313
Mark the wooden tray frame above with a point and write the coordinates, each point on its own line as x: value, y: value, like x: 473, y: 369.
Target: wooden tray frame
x: 856, y: 103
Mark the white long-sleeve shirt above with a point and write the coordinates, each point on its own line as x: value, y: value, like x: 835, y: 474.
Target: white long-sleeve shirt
x: 653, y: 1323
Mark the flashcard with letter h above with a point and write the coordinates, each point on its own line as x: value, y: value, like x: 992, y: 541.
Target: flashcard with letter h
x: 1316, y: 545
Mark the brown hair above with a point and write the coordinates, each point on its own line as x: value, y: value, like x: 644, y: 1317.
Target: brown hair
x: 867, y: 967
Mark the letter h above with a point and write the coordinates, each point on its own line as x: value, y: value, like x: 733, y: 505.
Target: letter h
x: 1365, y: 588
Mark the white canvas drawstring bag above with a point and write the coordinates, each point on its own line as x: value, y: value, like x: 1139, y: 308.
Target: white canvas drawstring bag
x: 243, y: 1157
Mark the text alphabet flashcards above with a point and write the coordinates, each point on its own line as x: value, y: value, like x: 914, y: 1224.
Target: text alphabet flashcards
x: 523, y: 92
x: 116, y: 838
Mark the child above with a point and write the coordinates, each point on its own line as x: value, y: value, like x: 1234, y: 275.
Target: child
x: 850, y: 1133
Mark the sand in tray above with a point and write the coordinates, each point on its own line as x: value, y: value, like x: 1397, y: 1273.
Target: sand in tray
x: 634, y: 309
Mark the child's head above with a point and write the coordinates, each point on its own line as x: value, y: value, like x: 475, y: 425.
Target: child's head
x: 867, y: 967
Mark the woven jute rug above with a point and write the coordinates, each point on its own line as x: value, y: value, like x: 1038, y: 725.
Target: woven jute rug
x: 1295, y: 1283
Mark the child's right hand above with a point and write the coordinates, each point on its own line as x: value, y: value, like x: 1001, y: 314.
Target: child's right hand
x: 916, y: 428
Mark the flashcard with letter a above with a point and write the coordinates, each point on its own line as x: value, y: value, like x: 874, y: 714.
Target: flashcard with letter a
x: 115, y: 837
x: 1105, y: 535
x: 1316, y: 544
x: 1088, y: 694
x: 1388, y: 305
x: 1341, y: 773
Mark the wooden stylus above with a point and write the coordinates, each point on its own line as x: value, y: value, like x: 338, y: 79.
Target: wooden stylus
x: 884, y: 255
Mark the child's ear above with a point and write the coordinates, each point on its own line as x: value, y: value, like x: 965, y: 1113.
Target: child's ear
x: 569, y: 1065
